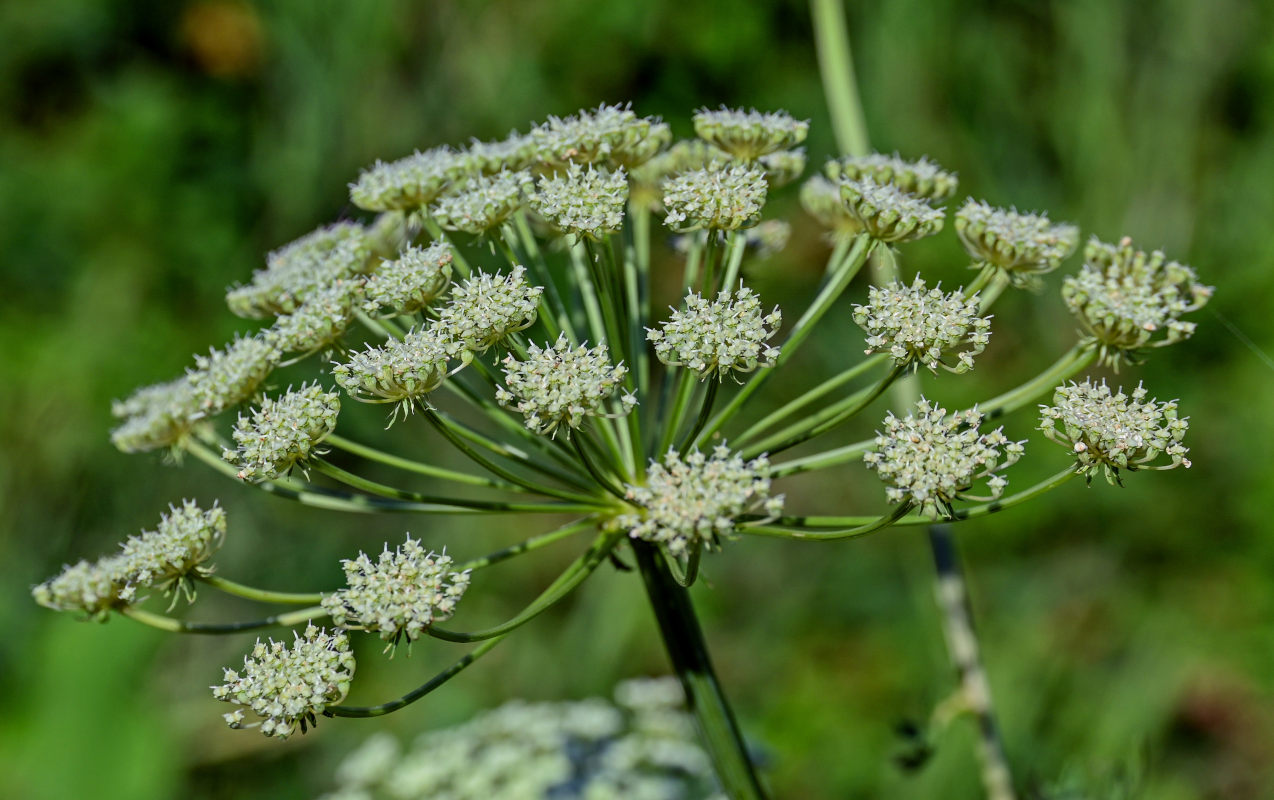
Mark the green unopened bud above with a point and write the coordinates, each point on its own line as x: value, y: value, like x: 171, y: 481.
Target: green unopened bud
x: 588, y: 203
x: 747, y: 135
x: 412, y: 281
x: 1113, y: 431
x: 155, y: 416
x: 289, y: 687
x: 611, y: 134
x: 721, y: 336
x: 482, y: 202
x: 888, y: 213
x: 783, y: 166
x: 400, y: 595
x: 559, y: 385
x: 401, y: 370
x: 922, y: 178
x: 1023, y: 245
x: 303, y: 267
x: 282, y: 433
x: 408, y: 183
x: 916, y: 325
x: 1129, y: 300
x: 821, y: 200
x: 486, y: 308
x: 930, y: 459
x: 719, y: 198
x: 696, y: 499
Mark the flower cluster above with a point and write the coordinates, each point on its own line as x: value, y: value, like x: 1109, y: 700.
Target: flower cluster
x: 1114, y: 431
x: 401, y: 370
x: 227, y: 377
x: 400, y: 595
x: 930, y: 459
x: 716, y: 197
x: 410, y: 282
x: 1128, y: 299
x: 693, y: 500
x: 162, y: 559
x: 784, y: 166
x: 485, y: 309
x: 281, y: 433
x: 289, y: 687
x: 923, y: 178
x: 916, y: 325
x: 642, y: 745
x: 888, y: 212
x: 154, y: 416
x: 821, y: 200
x: 482, y: 202
x: 408, y: 183
x: 748, y: 135
x: 1023, y: 245
x: 613, y: 134
x: 301, y: 268
x: 320, y: 321
x: 560, y: 385
x: 588, y: 203
x: 516, y: 151
x: 721, y: 336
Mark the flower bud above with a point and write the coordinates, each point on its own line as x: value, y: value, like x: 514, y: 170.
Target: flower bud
x: 1023, y: 245
x: 320, y: 321
x: 281, y: 433
x: 408, y: 183
x: 613, y: 134
x: 515, y: 152
x: 725, y: 335
x: 301, y: 268
x: 930, y: 459
x: 486, y: 308
x: 155, y: 416
x: 400, y: 595
x: 916, y: 326
x: 1111, y: 432
x: 410, y: 282
x: 696, y: 498
x: 584, y: 203
x: 922, y: 178
x: 225, y: 378
x: 783, y: 166
x: 887, y: 213
x: 400, y: 370
x: 747, y: 135
x: 559, y: 385
x: 91, y: 587
x: 720, y: 198
x: 481, y: 203
x: 289, y: 687
x: 821, y: 200
x: 686, y: 155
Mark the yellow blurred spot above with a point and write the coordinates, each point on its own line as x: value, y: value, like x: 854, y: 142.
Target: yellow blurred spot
x: 223, y: 37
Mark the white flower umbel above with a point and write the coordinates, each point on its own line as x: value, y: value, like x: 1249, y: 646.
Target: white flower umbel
x: 721, y: 336
x: 481, y: 203
x: 922, y: 178
x: 401, y: 370
x: 748, y: 135
x: 1129, y: 300
x: 585, y: 202
x: 410, y: 282
x: 92, y: 587
x: 289, y: 687
x: 281, y: 433
x: 930, y: 459
x: 408, y: 183
x: 717, y: 198
x: 783, y: 166
x: 514, y: 152
x: 821, y: 200
x: 186, y: 538
x: 155, y: 416
x: 561, y: 386
x: 1023, y: 245
x: 400, y: 594
x: 611, y: 134
x: 887, y: 213
x: 303, y: 267
x: 320, y: 321
x: 485, y: 309
x: 1111, y: 431
x: 916, y: 325
x: 696, y: 499
x: 228, y: 377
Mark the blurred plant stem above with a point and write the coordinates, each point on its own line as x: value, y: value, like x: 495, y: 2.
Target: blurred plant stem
x: 837, y: 70
x: 688, y: 652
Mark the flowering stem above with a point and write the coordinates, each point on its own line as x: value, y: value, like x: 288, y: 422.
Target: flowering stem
x: 171, y: 625
x: 436, y: 233
x: 571, y: 577
x: 850, y: 255
x: 494, y: 506
x: 813, y: 394
x: 709, y: 399
x: 962, y: 643
x: 601, y: 479
x: 993, y: 291
x: 672, y: 421
x: 1071, y: 362
x: 871, y: 525
x: 372, y: 454
x: 533, y: 543
x: 836, y: 67
x: 683, y: 639
x: 420, y: 691
x: 545, y: 311
x: 260, y: 595
x: 736, y: 244
x: 639, y: 229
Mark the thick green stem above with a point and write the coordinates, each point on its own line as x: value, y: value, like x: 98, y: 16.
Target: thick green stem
x: 683, y: 639
x: 406, y: 464
x: 836, y: 66
x: 260, y: 595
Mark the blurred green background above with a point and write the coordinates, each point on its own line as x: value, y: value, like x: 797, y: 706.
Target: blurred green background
x: 152, y: 152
